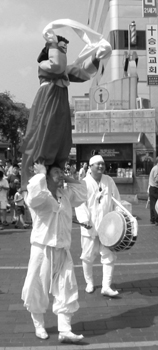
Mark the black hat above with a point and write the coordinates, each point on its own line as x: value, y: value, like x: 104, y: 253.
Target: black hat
x: 61, y: 38
x: 43, y: 56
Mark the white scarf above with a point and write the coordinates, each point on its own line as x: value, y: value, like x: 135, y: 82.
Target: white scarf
x: 94, y: 41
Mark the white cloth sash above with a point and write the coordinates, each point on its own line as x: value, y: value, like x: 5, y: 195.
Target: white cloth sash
x: 94, y: 41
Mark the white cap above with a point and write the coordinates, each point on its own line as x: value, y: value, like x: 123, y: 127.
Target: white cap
x: 96, y: 159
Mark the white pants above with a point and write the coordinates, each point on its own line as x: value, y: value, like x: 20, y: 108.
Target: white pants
x: 91, y: 248
x: 50, y: 270
x: 64, y: 321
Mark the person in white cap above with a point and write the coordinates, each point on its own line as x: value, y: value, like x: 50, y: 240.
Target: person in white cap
x: 99, y: 202
x: 50, y: 268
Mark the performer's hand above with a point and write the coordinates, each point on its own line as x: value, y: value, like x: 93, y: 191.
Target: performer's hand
x: 39, y: 168
x: 87, y: 225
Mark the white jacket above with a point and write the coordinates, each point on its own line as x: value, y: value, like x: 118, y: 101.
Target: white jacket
x: 52, y: 220
x: 98, y: 203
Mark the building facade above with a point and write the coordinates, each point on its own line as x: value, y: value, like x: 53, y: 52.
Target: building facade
x: 114, y: 121
x: 113, y: 18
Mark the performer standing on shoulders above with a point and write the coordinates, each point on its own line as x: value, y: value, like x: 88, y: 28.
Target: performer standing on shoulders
x: 100, y: 190
x: 48, y: 136
x: 50, y: 268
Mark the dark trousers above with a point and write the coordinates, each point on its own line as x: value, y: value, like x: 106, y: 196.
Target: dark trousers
x: 153, y: 195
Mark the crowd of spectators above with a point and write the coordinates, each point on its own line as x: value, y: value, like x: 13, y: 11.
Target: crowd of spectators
x: 10, y: 201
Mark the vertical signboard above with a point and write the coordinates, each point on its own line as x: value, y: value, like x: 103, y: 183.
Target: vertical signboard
x: 149, y: 8
x: 152, y: 54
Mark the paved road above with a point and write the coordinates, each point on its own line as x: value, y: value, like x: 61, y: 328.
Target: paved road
x: 129, y: 321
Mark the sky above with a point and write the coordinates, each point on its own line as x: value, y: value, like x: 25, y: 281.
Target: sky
x: 21, y: 26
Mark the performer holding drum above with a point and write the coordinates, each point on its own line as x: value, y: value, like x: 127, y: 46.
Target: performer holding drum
x: 110, y: 227
x: 100, y: 189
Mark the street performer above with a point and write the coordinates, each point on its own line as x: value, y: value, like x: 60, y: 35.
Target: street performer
x: 48, y: 136
x: 50, y: 268
x: 100, y: 189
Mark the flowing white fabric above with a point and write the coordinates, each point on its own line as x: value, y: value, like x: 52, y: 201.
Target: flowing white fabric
x: 94, y: 41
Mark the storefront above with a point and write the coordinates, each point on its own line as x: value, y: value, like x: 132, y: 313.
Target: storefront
x: 127, y: 159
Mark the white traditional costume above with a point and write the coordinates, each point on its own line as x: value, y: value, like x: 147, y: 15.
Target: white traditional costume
x: 99, y: 203
x: 50, y: 267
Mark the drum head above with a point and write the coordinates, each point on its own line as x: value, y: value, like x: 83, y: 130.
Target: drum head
x: 112, y: 228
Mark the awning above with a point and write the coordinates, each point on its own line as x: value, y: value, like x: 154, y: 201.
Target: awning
x: 111, y: 137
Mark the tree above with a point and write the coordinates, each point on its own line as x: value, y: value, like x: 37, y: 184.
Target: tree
x: 13, y: 121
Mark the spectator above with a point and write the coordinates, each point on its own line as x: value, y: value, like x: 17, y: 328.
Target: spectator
x: 153, y: 193
x: 8, y: 167
x: 67, y: 169
x: 19, y: 208
x: 2, y: 166
x: 14, y: 180
x: 73, y: 171
x: 12, y: 183
x: 4, y: 186
x: 82, y: 171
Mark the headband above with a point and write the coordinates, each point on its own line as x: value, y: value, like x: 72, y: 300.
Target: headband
x: 96, y: 159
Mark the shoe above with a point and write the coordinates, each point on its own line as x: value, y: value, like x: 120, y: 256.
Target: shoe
x: 69, y: 337
x: 109, y: 292
x: 5, y: 223
x: 26, y: 226
x: 41, y: 333
x: 1, y: 228
x: 13, y: 222
x: 89, y: 288
x: 16, y: 226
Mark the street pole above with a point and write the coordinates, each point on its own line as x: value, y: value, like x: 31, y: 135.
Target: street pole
x: 129, y: 41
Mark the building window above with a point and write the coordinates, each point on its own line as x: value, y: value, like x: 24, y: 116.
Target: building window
x: 144, y: 162
x: 118, y: 157
x: 123, y: 169
x: 119, y: 40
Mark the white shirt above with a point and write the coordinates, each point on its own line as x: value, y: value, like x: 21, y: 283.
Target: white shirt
x: 82, y: 174
x: 3, y: 192
x: 52, y: 220
x: 98, y: 204
x: 153, y: 177
x: 18, y: 199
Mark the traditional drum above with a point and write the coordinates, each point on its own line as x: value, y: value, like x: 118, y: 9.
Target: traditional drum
x: 118, y: 230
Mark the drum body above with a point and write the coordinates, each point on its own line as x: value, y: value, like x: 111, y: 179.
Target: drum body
x: 118, y: 231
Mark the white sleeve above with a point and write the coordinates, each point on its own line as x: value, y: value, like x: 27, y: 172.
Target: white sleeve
x: 77, y: 193
x: 6, y: 184
x: 37, y: 191
x: 82, y: 213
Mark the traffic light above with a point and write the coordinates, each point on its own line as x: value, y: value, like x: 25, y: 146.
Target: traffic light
x: 133, y: 33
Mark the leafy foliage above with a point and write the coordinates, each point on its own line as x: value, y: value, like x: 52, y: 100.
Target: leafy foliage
x: 13, y: 119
